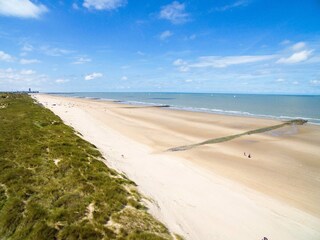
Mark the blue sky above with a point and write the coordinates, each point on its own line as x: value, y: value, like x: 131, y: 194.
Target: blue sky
x: 246, y: 46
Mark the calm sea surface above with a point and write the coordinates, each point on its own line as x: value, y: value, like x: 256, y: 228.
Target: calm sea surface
x: 270, y: 106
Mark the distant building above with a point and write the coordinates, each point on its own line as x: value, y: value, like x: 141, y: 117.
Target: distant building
x: 29, y: 90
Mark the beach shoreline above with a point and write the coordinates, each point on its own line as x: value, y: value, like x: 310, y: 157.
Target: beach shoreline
x: 234, y: 107
x: 212, y: 185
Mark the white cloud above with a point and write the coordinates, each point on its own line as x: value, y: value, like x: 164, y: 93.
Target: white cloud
x: 5, y: 57
x: 280, y: 80
x: 21, y: 8
x: 8, y: 70
x: 124, y: 78
x: 27, y: 72
x: 28, y: 61
x: 295, y: 82
x: 93, y: 76
x: 315, y: 82
x: 104, y: 4
x: 54, y: 52
x: 179, y: 62
x: 175, y: 13
x: 141, y: 53
x: 166, y: 34
x: 75, y: 6
x: 296, y: 57
x: 61, y: 80
x: 125, y: 67
x: 221, y: 62
x: 182, y: 65
x: 241, y: 3
x: 27, y: 47
x: 285, y: 42
x: 184, y: 68
x: 82, y: 60
x: 12, y: 79
x: 298, y: 46
x: 191, y: 37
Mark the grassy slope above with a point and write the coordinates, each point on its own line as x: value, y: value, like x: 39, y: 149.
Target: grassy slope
x: 53, y: 184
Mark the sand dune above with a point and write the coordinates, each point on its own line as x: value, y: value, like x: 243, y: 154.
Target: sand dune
x: 211, y: 191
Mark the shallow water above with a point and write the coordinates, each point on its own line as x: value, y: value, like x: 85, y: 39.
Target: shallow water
x: 270, y: 106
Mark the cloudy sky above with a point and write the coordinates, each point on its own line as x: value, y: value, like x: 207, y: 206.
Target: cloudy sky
x: 246, y: 46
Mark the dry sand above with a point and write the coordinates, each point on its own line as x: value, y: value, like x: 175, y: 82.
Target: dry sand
x: 212, y: 191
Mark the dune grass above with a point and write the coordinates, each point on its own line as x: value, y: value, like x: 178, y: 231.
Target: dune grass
x: 231, y: 137
x: 54, y: 184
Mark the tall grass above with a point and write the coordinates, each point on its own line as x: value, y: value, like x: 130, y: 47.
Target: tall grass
x: 49, y: 176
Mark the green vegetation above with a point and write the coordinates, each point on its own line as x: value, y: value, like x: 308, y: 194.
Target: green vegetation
x: 54, y: 185
x: 231, y: 137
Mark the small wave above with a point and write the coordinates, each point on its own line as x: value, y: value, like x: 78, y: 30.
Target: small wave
x: 141, y: 103
x: 315, y: 121
x: 162, y: 98
x: 307, y: 118
x: 93, y: 98
x: 110, y: 99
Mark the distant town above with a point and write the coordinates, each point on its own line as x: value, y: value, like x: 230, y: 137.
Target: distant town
x: 29, y: 91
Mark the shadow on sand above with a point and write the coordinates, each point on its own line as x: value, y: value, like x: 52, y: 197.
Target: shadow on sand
x: 231, y: 137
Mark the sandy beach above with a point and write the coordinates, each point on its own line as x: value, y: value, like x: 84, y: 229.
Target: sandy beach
x: 212, y: 191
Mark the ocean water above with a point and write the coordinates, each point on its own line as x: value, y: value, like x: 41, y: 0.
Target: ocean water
x: 268, y: 106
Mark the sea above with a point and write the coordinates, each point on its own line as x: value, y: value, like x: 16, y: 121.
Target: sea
x: 284, y: 107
